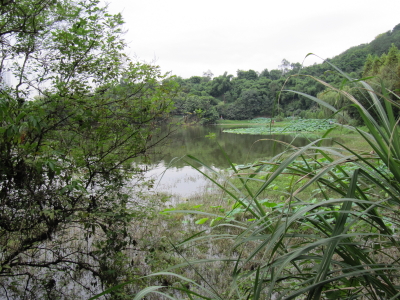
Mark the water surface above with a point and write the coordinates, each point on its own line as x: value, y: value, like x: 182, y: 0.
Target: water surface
x: 169, y: 162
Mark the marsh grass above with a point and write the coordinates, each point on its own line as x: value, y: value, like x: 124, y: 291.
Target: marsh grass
x: 158, y: 248
x: 339, y: 241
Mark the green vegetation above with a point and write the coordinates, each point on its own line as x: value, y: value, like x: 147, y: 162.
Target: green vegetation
x: 236, y: 122
x: 249, y: 94
x: 260, y: 120
x: 76, y: 126
x: 333, y: 232
x: 78, y: 113
x: 292, y: 126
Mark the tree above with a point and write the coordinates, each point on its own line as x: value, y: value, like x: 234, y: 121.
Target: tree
x: 285, y: 66
x: 265, y: 73
x: 295, y: 67
x: 208, y: 74
x: 200, y: 109
x: 252, y: 102
x: 249, y: 105
x: 195, y: 79
x: 248, y: 75
x: 220, y: 85
x: 77, y: 116
x: 385, y: 69
x: 275, y: 74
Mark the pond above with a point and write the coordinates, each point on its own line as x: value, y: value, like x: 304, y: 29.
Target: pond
x: 169, y: 164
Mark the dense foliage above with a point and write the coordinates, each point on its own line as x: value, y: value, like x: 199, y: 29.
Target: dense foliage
x: 250, y: 94
x: 75, y: 112
x: 332, y: 234
x: 74, y: 115
x: 378, y: 70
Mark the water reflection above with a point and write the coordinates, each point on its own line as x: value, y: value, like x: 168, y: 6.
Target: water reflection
x: 182, y: 180
x: 241, y: 148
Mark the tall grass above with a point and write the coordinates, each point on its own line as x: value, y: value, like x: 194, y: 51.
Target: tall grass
x: 340, y: 243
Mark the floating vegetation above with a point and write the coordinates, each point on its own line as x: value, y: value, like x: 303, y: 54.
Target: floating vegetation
x: 299, y: 125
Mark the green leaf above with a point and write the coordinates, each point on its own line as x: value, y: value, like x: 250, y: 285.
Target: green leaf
x: 201, y: 221
x: 269, y: 204
x: 214, y: 221
x: 197, y: 206
x: 166, y: 211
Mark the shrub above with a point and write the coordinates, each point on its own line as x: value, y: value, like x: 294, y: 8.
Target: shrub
x: 340, y: 243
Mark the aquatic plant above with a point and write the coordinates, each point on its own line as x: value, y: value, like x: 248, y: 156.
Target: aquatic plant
x: 294, y: 126
x: 340, y: 244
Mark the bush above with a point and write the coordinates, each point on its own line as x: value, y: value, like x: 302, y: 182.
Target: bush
x: 332, y: 235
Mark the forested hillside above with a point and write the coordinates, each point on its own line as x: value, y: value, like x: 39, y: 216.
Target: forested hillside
x: 250, y: 94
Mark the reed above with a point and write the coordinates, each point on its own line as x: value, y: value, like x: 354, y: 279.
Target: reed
x: 339, y: 242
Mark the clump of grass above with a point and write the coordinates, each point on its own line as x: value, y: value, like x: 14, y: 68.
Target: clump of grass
x: 340, y: 242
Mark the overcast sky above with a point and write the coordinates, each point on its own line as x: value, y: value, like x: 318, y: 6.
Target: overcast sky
x: 190, y: 37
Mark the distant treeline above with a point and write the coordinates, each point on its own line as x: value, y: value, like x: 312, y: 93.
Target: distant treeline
x: 250, y: 94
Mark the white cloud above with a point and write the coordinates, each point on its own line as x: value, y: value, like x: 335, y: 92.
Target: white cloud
x: 189, y: 37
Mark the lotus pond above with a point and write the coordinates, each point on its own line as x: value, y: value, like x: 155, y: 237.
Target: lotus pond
x: 172, y: 174
x: 289, y: 126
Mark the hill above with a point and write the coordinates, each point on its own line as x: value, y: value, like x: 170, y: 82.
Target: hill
x: 250, y: 94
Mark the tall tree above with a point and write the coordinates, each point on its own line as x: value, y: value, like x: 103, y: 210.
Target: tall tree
x: 77, y: 114
x: 285, y: 66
